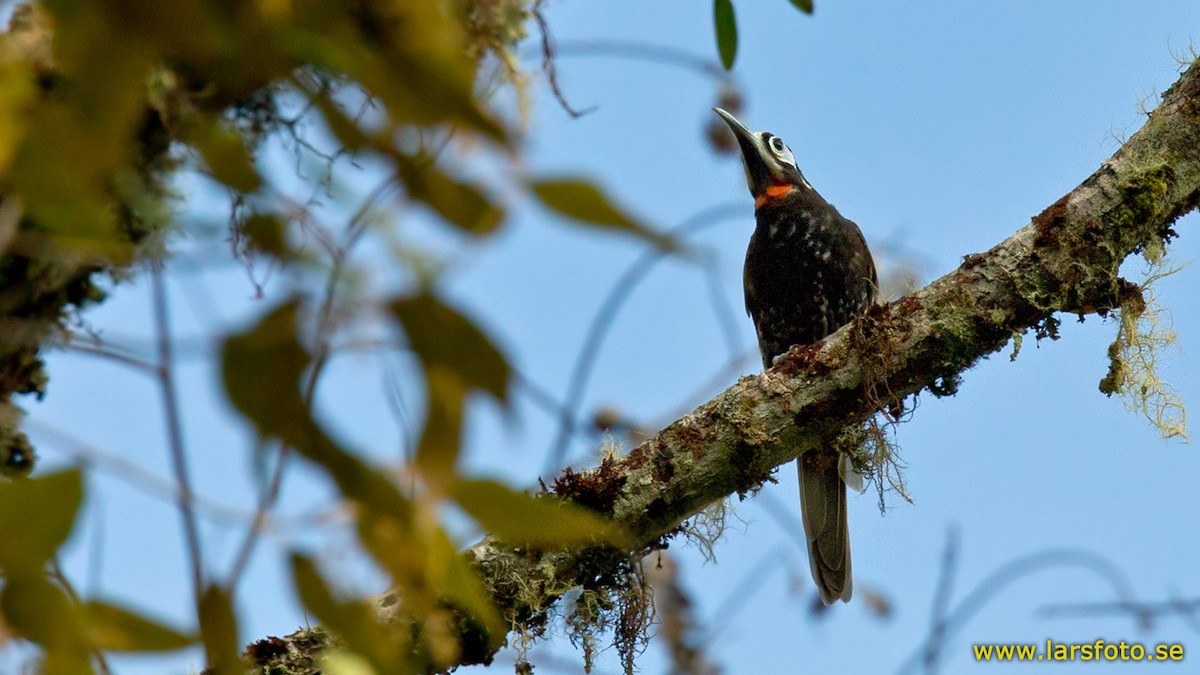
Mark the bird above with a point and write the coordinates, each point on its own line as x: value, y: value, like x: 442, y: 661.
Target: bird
x: 808, y: 272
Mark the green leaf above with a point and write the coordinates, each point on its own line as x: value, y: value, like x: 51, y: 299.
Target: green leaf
x: 316, y: 596
x: 535, y: 521
x: 36, y: 517
x: 457, y: 357
x: 346, y: 130
x: 340, y: 662
x: 228, y: 159
x: 441, y: 437
x: 427, y: 567
x: 460, y: 204
x: 584, y: 202
x: 805, y: 6
x: 446, y: 340
x: 726, y: 25
x: 41, y: 612
x: 117, y: 629
x: 267, y: 234
x: 465, y: 589
x: 218, y: 629
x: 263, y: 368
x: 351, y: 620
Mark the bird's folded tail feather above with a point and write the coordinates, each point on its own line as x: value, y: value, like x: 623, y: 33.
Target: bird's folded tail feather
x: 823, y: 506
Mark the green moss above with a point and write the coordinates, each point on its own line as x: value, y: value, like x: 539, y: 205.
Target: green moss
x: 1142, y: 199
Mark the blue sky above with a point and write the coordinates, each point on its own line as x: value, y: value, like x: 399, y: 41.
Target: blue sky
x: 940, y: 128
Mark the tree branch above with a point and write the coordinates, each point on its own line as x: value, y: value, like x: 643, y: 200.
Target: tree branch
x: 1066, y: 259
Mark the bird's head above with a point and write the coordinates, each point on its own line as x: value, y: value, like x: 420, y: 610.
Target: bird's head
x: 771, y: 169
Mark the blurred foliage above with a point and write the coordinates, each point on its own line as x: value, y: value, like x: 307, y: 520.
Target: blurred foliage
x: 36, y: 518
x: 102, y: 105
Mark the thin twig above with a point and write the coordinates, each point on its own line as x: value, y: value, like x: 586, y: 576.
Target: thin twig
x: 742, y: 592
x: 1014, y: 571
x: 56, y: 574
x: 393, y: 395
x: 323, y: 340
x: 135, y: 474
x: 642, y: 51
x: 736, y: 366
x: 784, y: 517
x: 538, y: 395
x: 1141, y: 610
x: 166, y: 378
x: 550, y: 68
x: 722, y: 310
x: 605, y: 316
x: 941, y: 603
x: 113, y: 355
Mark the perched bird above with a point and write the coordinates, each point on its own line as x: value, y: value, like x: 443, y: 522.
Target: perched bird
x: 808, y: 272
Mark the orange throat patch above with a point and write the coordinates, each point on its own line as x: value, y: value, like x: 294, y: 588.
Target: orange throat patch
x: 773, y: 192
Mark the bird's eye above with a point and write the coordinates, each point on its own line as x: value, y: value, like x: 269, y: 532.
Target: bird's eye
x: 777, y: 145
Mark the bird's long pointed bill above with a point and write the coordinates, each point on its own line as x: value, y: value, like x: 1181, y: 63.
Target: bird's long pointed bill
x: 758, y: 175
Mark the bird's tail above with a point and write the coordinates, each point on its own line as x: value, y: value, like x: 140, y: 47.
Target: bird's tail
x: 823, y: 506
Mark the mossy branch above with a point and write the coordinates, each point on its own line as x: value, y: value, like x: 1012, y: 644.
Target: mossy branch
x: 1066, y: 260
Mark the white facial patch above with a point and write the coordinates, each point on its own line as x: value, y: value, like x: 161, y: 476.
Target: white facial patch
x: 782, y: 154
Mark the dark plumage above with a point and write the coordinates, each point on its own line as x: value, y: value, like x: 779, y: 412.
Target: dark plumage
x: 808, y: 272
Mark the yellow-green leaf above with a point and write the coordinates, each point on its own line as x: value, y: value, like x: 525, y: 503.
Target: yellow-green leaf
x: 460, y: 204
x: 457, y: 357
x: 41, y: 612
x: 521, y: 519
x: 117, y: 629
x: 218, y: 629
x: 341, y: 662
x: 36, y: 517
x: 262, y: 368
x: 315, y: 595
x: 227, y: 158
x: 426, y: 91
x: 343, y: 128
x: 445, y: 339
x: 441, y: 437
x: 726, y: 25
x: 351, y: 620
x: 805, y: 6
x: 16, y: 81
x: 267, y: 234
x: 581, y: 201
x: 463, y: 586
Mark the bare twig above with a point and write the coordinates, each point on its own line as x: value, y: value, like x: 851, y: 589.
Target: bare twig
x: 1144, y: 612
x: 736, y: 365
x: 589, y: 352
x: 174, y: 420
x: 549, y: 66
x: 137, y: 475
x: 113, y: 354
x: 322, y: 352
x: 1012, y: 572
x: 57, y: 575
x: 642, y: 51
x: 936, y: 641
x: 741, y: 593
